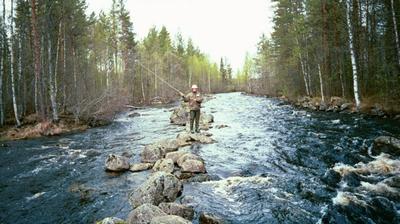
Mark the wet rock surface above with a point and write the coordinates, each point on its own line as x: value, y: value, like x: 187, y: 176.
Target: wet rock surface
x: 160, y: 187
x: 144, y: 214
x: 117, y: 163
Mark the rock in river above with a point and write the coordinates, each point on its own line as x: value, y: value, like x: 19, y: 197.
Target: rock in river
x: 386, y: 144
x: 144, y: 214
x: 140, y: 167
x: 169, y: 219
x: 160, y: 187
x: 175, y: 155
x: 117, y: 163
x: 153, y: 152
x: 177, y: 209
x: 166, y: 165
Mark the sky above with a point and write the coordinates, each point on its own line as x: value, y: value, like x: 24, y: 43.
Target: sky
x: 220, y: 28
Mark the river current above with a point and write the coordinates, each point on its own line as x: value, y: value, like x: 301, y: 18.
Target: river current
x: 267, y: 164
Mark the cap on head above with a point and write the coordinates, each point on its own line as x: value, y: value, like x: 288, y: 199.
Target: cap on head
x: 195, y: 87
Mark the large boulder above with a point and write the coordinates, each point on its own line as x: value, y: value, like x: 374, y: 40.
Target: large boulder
x: 169, y: 219
x: 140, y: 167
x: 144, y: 214
x: 153, y: 152
x: 177, y: 209
x: 160, y: 187
x: 180, y: 115
x: 117, y: 163
x: 166, y: 165
x: 175, y: 155
x: 190, y: 163
x: 386, y: 144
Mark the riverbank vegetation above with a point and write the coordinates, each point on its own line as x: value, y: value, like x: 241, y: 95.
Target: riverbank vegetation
x: 349, y: 49
x: 59, y: 63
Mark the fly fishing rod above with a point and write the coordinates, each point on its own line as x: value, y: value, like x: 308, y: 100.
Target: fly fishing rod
x: 168, y: 84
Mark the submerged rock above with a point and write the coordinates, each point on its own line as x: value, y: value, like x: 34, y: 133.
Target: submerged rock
x: 331, y: 178
x: 140, y: 167
x: 169, y: 219
x: 166, y: 165
x: 160, y: 187
x: 144, y: 214
x: 188, y: 138
x: 177, y: 209
x: 117, y: 163
x: 386, y: 144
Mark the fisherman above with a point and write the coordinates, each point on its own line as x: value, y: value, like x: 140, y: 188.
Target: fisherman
x: 194, y: 98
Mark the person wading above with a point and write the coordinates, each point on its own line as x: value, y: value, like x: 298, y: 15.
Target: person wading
x: 194, y: 98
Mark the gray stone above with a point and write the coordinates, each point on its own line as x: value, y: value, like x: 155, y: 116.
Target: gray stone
x: 117, y: 163
x: 169, y: 219
x: 187, y: 156
x: 177, y: 209
x: 166, y: 165
x: 153, y: 152
x: 144, y: 214
x: 140, y: 167
x: 193, y: 166
x: 175, y: 155
x: 111, y: 220
x: 160, y: 187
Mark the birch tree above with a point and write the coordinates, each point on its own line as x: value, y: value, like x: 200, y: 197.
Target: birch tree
x: 12, y: 56
x: 397, y: 37
x: 352, y: 55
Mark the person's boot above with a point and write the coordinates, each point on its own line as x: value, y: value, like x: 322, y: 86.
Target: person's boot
x: 197, y: 130
x: 192, y: 131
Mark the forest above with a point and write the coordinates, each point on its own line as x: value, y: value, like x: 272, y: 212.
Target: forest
x: 321, y: 48
x: 56, y: 61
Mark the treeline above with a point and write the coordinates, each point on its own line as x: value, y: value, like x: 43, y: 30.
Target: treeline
x: 57, y: 61
x: 324, y: 48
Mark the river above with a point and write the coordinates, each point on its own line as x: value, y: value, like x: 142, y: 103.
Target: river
x: 267, y: 164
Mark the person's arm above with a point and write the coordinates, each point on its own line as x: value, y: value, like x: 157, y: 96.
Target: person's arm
x: 199, y: 98
x: 185, y: 98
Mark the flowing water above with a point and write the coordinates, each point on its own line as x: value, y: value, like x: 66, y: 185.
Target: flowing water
x: 267, y: 164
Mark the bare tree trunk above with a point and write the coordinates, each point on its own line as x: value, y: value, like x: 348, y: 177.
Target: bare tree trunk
x: 64, y: 88
x: 37, y: 66
x: 142, y: 84
x: 396, y: 31
x: 209, y: 81
x: 353, y: 58
x: 51, y: 82
x: 321, y: 83
x: 11, y: 47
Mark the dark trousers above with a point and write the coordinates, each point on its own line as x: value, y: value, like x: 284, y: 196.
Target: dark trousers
x: 194, y: 118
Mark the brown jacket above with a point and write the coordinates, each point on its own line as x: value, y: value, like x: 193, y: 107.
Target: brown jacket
x: 194, y: 100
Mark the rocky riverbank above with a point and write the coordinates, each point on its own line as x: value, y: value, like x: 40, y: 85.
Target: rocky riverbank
x: 31, y: 128
x: 341, y: 105
x: 155, y: 200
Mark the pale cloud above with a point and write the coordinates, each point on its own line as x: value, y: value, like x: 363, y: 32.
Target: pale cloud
x: 221, y: 28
